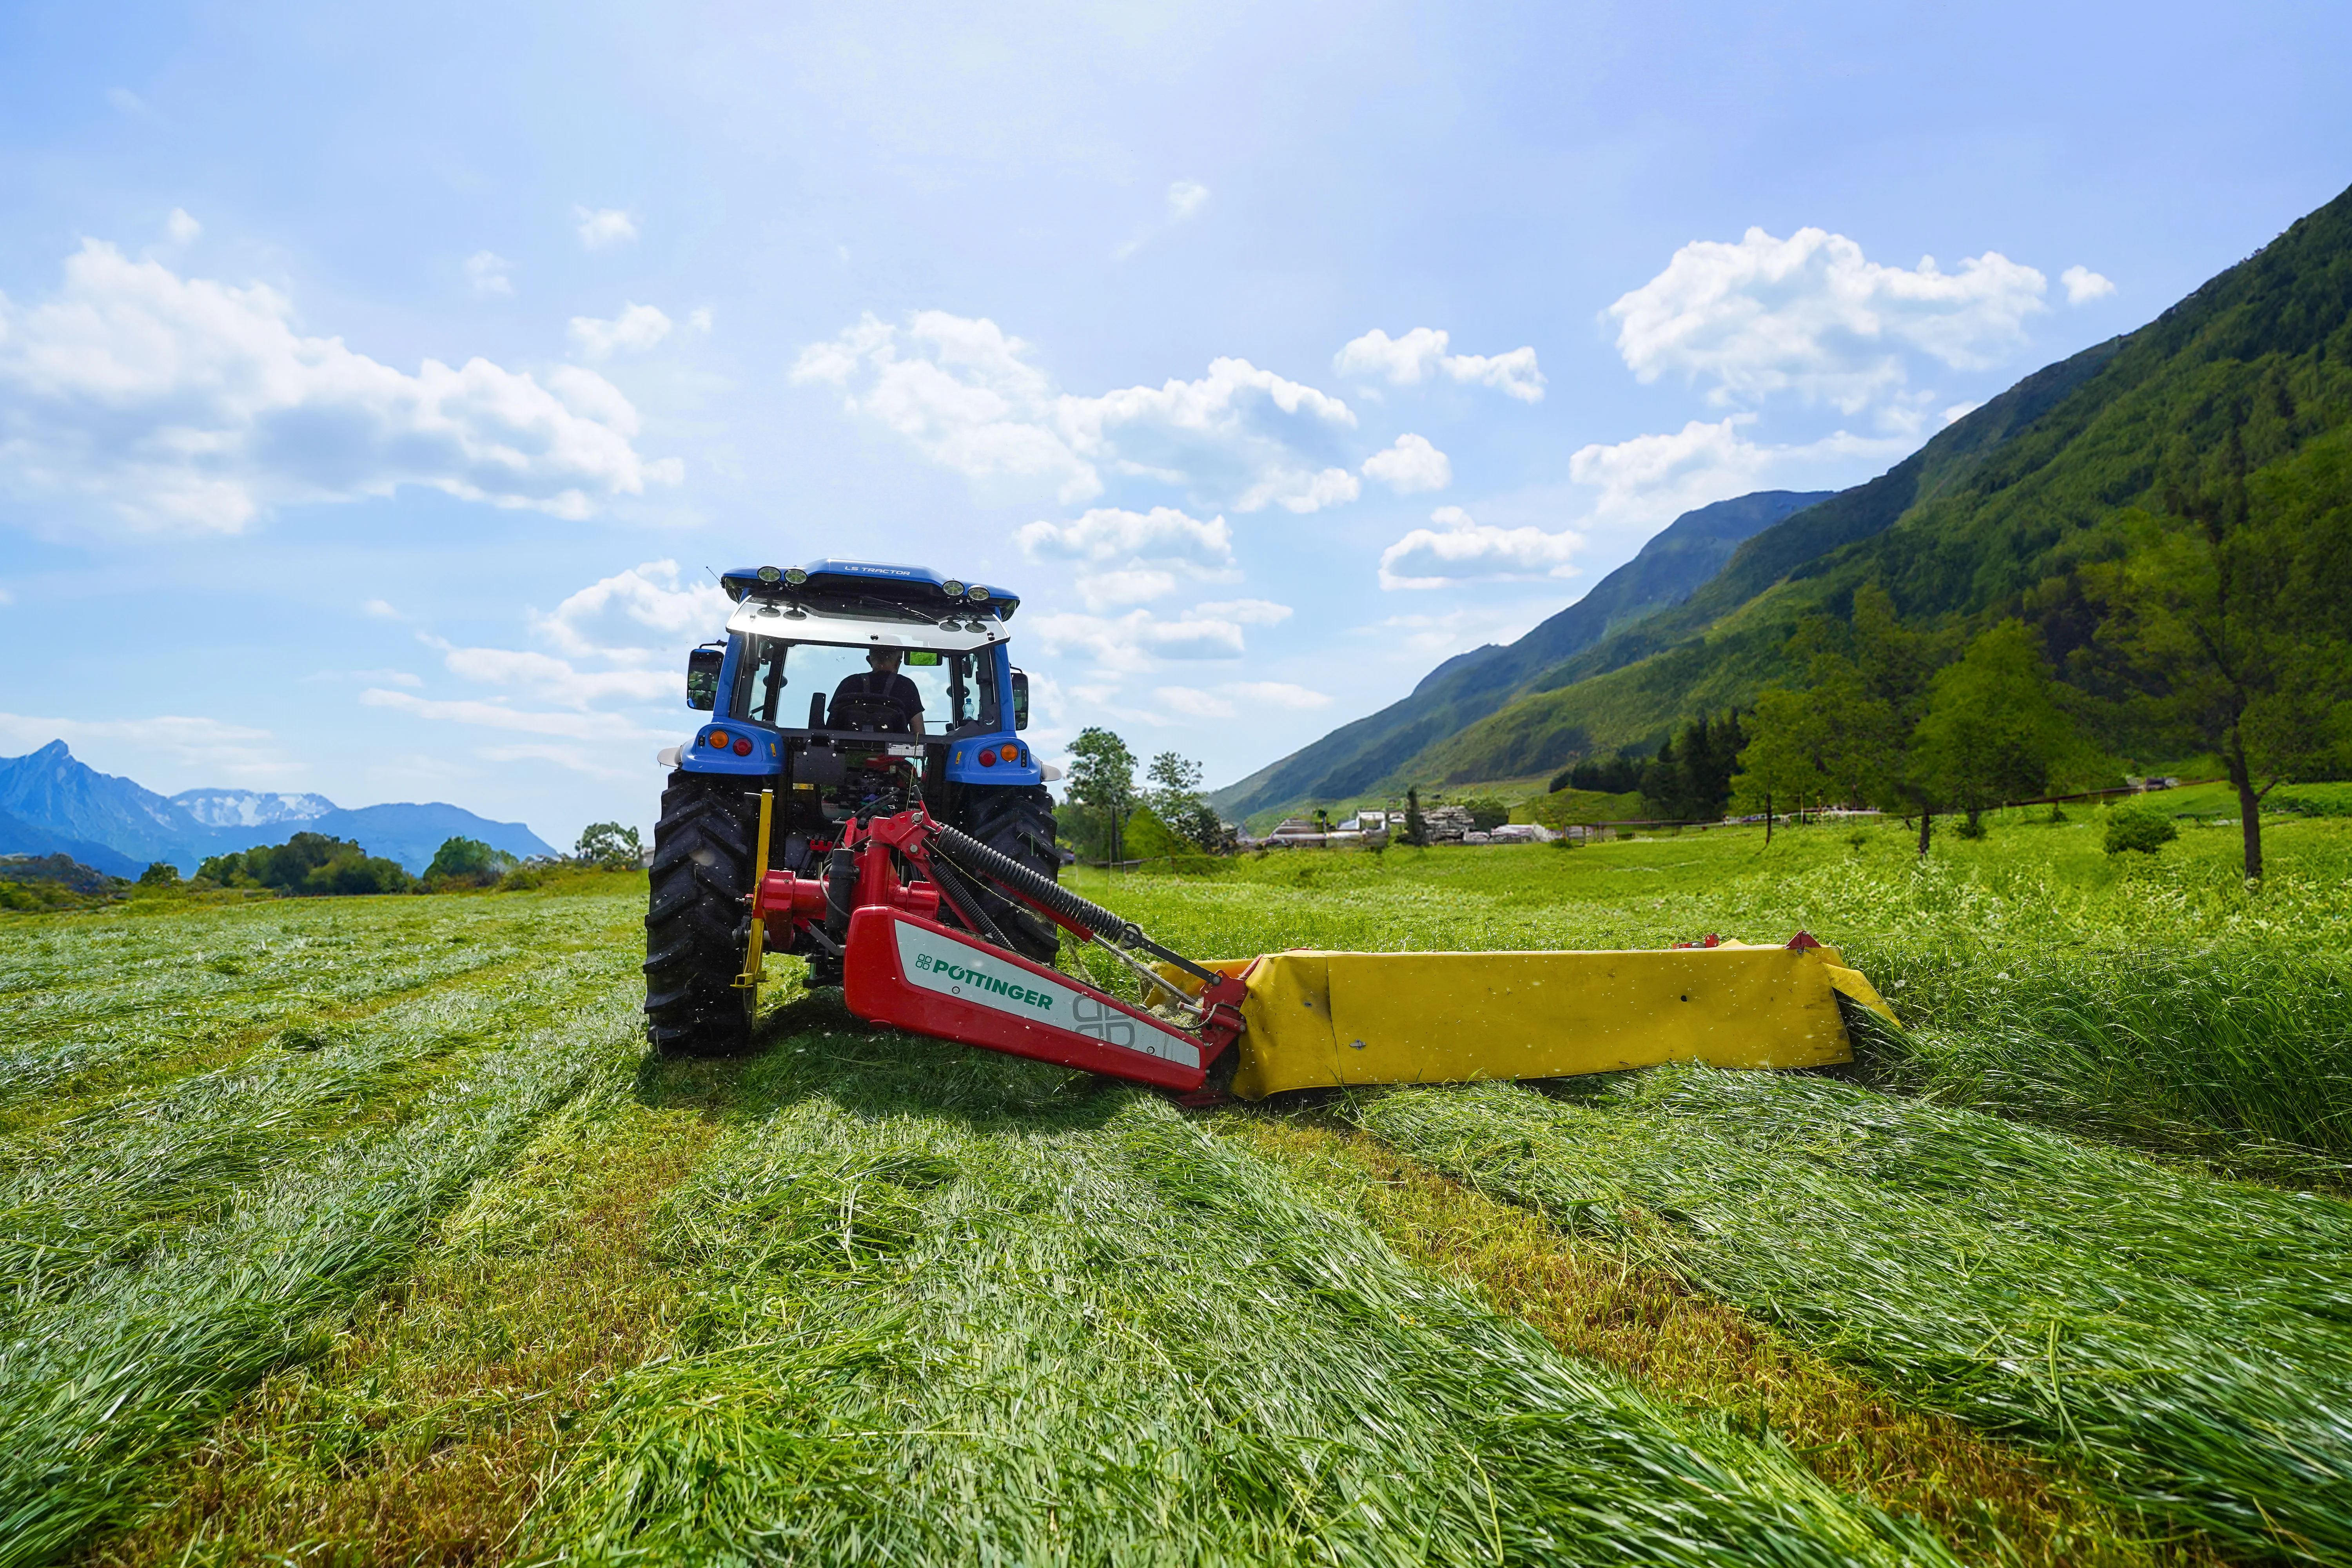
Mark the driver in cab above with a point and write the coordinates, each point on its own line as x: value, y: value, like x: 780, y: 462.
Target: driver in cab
x: 881, y: 681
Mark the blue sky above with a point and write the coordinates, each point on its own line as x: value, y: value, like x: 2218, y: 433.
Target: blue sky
x: 377, y: 387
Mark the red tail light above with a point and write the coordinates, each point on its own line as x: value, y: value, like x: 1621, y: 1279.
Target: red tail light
x: 743, y: 745
x: 988, y: 758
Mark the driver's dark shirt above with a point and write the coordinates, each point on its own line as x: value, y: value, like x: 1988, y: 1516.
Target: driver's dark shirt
x: 897, y: 687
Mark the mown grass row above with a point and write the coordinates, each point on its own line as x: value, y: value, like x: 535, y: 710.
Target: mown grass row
x: 2186, y: 1342
x: 107, y: 1185
x: 99, y: 1005
x: 167, y: 1249
x: 945, y: 1306
x: 1994, y: 1501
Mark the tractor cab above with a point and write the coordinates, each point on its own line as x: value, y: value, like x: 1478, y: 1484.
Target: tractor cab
x: 844, y: 690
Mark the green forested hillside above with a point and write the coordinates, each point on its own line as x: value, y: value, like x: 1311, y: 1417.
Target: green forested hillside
x: 2245, y: 384
x: 1683, y: 556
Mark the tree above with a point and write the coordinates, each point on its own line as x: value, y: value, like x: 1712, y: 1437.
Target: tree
x: 1416, y: 831
x: 1690, y: 778
x: 1175, y: 798
x: 160, y: 874
x: 2228, y: 611
x: 466, y: 863
x: 1782, y: 760
x: 608, y: 847
x: 1992, y: 732
x: 1102, y: 776
x: 308, y: 863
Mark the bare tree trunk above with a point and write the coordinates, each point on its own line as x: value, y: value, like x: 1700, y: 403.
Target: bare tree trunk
x: 1767, y: 818
x: 1927, y: 820
x: 2250, y: 804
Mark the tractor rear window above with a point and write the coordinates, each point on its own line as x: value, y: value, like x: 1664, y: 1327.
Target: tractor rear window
x: 792, y: 685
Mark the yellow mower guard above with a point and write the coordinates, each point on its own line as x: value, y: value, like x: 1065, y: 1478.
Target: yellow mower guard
x: 1321, y: 1020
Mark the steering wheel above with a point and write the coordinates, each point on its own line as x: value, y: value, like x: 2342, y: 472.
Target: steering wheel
x: 882, y: 715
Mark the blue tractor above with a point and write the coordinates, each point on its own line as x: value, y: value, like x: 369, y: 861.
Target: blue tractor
x: 844, y: 690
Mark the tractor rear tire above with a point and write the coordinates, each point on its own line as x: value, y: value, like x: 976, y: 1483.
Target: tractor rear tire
x: 698, y: 923
x: 1017, y: 822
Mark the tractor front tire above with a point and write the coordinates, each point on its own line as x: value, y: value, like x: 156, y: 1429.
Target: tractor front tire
x: 1017, y: 822
x: 697, y: 921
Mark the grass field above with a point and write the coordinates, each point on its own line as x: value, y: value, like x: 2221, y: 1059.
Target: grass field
x: 362, y: 1230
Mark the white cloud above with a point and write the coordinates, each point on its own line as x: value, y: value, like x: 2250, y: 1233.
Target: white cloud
x: 1139, y: 638
x: 1411, y: 465
x: 603, y: 226
x: 1196, y: 703
x: 1185, y: 199
x: 2082, y: 285
x: 1419, y: 355
x: 7, y: 597
x: 1277, y: 694
x: 487, y: 271
x: 1232, y: 698
x: 1245, y: 612
x: 569, y: 758
x: 1462, y: 548
x: 196, y: 747
x: 1422, y: 638
x: 1109, y: 533
x: 380, y: 609
x: 966, y: 395
x: 698, y: 320
x: 183, y: 229
x: 1653, y: 479
x: 556, y: 680
x: 367, y: 676
x: 193, y: 405
x: 1127, y: 586
x: 498, y: 716
x: 1811, y: 315
x: 635, y: 615
x: 1960, y: 411
x: 637, y: 329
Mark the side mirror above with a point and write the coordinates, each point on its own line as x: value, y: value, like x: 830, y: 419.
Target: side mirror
x: 702, y: 677
x: 1020, y: 699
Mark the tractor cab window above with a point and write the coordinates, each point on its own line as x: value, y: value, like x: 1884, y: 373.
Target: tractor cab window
x: 793, y: 685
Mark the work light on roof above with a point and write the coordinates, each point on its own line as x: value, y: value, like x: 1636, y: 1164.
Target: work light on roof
x: 769, y: 574
x: 952, y: 588
x: 796, y: 576
x: 978, y: 594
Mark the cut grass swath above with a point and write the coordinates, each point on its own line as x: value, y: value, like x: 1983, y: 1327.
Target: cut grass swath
x: 957, y: 1308
x: 114, y: 1180
x: 148, y: 1354
x: 2182, y: 1339
x: 1993, y: 1502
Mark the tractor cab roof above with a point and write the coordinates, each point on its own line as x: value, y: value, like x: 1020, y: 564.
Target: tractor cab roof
x: 837, y: 583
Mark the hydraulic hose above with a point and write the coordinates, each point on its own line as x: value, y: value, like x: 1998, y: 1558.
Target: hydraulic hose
x: 972, y: 855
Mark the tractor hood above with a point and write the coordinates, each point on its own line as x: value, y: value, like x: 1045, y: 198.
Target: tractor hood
x: 960, y: 634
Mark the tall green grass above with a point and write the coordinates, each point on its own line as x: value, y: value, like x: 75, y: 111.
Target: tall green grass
x: 950, y: 1307
x: 97, y: 1384
x: 2158, y: 1002
x: 2186, y: 1340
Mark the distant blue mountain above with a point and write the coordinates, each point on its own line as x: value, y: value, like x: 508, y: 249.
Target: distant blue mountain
x: 18, y: 836
x: 50, y: 801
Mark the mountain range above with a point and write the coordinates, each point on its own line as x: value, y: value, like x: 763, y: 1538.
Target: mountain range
x: 52, y: 802
x: 2248, y: 378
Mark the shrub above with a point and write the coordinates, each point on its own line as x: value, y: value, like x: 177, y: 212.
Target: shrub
x: 609, y: 847
x: 160, y: 874
x: 308, y: 863
x: 2138, y: 827
x: 466, y: 863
